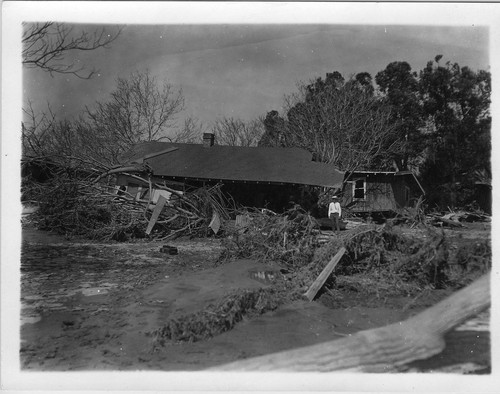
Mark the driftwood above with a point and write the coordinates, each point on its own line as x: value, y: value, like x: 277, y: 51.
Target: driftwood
x: 455, y: 219
x: 382, y: 349
x: 450, y: 223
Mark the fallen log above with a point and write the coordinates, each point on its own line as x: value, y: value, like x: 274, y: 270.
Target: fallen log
x: 383, y: 349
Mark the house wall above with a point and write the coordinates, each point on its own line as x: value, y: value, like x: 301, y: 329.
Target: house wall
x: 383, y: 192
x: 277, y: 198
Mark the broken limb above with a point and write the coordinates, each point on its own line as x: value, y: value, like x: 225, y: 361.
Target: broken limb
x: 384, y: 349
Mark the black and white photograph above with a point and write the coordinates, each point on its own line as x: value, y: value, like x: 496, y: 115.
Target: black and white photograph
x: 248, y: 196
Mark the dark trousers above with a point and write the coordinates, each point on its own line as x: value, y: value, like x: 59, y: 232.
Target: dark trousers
x: 335, y: 218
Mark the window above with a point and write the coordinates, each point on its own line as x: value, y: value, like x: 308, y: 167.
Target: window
x: 359, y: 189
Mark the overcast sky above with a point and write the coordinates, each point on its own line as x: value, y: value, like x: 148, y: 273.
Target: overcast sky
x: 244, y: 70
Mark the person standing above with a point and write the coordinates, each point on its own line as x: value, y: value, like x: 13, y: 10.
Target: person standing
x: 334, y: 213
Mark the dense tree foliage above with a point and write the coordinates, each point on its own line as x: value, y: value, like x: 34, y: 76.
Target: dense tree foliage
x: 435, y: 122
x: 456, y: 106
x: 400, y: 90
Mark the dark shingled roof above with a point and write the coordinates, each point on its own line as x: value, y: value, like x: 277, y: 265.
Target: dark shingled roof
x: 235, y: 163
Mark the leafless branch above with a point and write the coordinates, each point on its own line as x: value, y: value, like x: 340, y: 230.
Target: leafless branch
x: 47, y: 45
x: 236, y: 132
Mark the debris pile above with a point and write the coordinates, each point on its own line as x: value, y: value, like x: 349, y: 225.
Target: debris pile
x: 412, y: 216
x: 90, y: 205
x: 387, y: 257
x: 456, y: 219
x: 380, y: 260
x: 289, y: 238
x: 474, y: 257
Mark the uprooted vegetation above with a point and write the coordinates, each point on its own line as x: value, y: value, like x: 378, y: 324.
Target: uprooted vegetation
x: 218, y: 318
x: 88, y: 205
x: 289, y: 238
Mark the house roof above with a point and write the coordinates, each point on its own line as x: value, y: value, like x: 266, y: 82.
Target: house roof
x: 235, y: 163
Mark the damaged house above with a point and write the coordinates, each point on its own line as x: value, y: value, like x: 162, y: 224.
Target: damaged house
x: 265, y: 177
x: 380, y: 191
x: 259, y: 177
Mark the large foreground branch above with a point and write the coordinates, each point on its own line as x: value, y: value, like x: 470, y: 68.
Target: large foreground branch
x: 382, y: 349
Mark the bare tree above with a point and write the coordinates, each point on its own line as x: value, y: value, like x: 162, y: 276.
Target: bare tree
x: 47, y: 45
x: 46, y: 138
x: 191, y: 131
x: 36, y: 131
x: 235, y: 132
x: 341, y: 123
x: 140, y: 109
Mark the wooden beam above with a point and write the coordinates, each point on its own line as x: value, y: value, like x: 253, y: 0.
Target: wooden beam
x: 384, y: 349
x: 156, y: 213
x: 321, y: 279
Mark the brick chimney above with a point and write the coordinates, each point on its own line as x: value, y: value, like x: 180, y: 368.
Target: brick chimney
x: 208, y: 140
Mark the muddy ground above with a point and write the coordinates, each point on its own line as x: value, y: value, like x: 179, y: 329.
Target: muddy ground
x: 92, y: 306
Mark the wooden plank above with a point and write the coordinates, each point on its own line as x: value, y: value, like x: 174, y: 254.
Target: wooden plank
x: 156, y: 213
x: 384, y: 349
x: 215, y: 222
x: 321, y: 279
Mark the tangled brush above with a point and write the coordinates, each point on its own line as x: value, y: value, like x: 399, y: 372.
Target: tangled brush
x: 78, y: 205
x: 289, y: 238
x: 218, y: 318
x: 387, y: 253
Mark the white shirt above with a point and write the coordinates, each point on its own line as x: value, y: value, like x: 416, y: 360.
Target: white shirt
x: 333, y: 208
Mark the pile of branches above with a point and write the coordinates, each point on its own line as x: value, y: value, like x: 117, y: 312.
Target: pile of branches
x: 472, y: 259
x: 86, y: 204
x: 455, y: 219
x: 386, y: 255
x: 412, y: 216
x: 289, y: 238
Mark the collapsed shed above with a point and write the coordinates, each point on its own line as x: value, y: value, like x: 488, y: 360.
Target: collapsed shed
x: 263, y: 177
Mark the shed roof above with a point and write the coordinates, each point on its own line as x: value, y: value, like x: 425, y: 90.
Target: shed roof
x: 235, y: 163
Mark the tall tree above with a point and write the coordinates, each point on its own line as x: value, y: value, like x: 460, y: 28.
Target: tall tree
x: 399, y: 86
x: 340, y: 122
x: 274, y: 129
x: 49, y: 45
x: 456, y: 103
x: 139, y: 109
